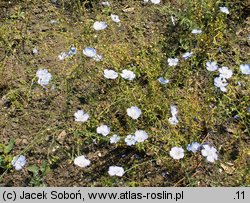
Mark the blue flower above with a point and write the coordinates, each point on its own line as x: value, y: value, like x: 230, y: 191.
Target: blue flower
x: 72, y: 51
x: 194, y: 147
x: 43, y: 77
x: 99, y: 25
x: 18, y: 162
x: 224, y: 10
x: 245, y: 69
x: 163, y: 81
x: 210, y: 153
x: 187, y: 55
x: 89, y: 52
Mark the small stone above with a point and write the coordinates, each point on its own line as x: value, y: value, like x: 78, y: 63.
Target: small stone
x: 61, y: 137
x: 25, y: 141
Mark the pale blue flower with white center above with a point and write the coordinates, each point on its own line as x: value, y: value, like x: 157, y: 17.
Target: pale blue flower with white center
x: 163, y: 81
x: 211, y: 66
x: 210, y: 153
x: 173, y: 61
x: 224, y: 10
x: 177, y: 153
x: 103, y: 130
x: 225, y: 72
x: 99, y: 25
x: 89, y: 52
x: 81, y: 161
x: 114, y: 139
x: 130, y: 140
x: 110, y: 74
x: 115, y: 18
x: 41, y: 73
x: 221, y: 83
x: 81, y: 116
x: 196, y: 31
x: 128, y: 75
x: 116, y: 171
x: 245, y: 69
x: 140, y: 136
x: 187, y: 55
x: 194, y: 147
x: 43, y: 77
x: 18, y: 162
x: 134, y: 112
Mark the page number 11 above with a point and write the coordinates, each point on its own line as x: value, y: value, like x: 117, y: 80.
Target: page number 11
x: 240, y: 195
